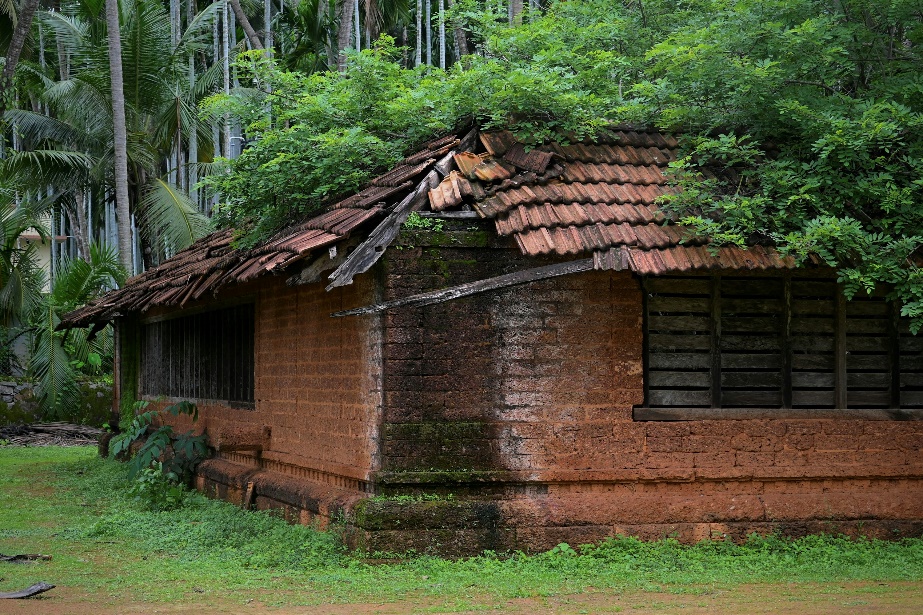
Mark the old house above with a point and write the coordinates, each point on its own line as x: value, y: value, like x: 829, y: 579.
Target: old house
x: 537, y: 355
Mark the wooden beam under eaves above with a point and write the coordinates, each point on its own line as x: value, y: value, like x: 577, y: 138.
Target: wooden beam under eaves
x: 472, y: 288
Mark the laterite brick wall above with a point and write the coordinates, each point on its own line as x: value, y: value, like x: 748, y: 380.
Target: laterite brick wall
x: 316, y: 386
x: 529, y: 392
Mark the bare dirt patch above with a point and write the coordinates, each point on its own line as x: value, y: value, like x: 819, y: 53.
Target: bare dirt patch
x: 897, y: 598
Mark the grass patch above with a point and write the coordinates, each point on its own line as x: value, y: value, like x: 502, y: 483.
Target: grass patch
x: 69, y: 503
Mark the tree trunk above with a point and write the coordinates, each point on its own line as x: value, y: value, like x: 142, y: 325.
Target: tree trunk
x: 226, y: 73
x: 78, y: 222
x: 344, y: 33
x: 245, y: 24
x: 356, y: 25
x: 193, y: 131
x: 23, y: 25
x: 267, y: 24
x: 515, y: 12
x: 119, y: 134
x: 461, y: 40
x: 429, y: 32
x: 418, y: 60
x: 442, y: 34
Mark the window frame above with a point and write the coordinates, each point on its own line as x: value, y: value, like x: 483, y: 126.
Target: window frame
x: 197, y: 395
x: 840, y: 408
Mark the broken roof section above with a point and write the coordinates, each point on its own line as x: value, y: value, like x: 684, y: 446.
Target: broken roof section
x: 588, y: 198
x: 593, y: 199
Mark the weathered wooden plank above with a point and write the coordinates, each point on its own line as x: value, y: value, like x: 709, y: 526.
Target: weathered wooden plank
x: 861, y: 399
x: 683, y: 286
x: 894, y: 355
x: 866, y: 343
x: 678, y: 305
x: 813, y: 361
x: 804, y: 307
x: 813, y: 289
x: 813, y: 380
x: 450, y: 215
x: 741, y: 414
x: 682, y: 360
x: 661, y: 342
x: 866, y: 380
x: 867, y: 308
x: 678, y: 323
x: 766, y: 399
x: 759, y: 307
x: 911, y: 379
x: 751, y: 360
x: 771, y: 323
x: 471, y: 288
x: 867, y: 361
x: 751, y: 379
x: 686, y: 379
x: 749, y: 343
x: 716, y: 336
x: 871, y: 326
x: 369, y: 251
x: 751, y: 287
x: 812, y: 325
x: 327, y: 261
x: 785, y: 336
x: 809, y: 399
x: 911, y: 398
x: 812, y: 344
x: 679, y: 398
x: 911, y: 344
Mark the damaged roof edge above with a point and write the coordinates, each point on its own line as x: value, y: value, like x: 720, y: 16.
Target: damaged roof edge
x: 596, y: 199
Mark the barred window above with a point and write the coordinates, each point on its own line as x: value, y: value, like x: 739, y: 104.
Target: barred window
x: 205, y: 356
x: 783, y: 342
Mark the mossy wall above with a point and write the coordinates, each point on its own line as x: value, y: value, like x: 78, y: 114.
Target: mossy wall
x: 19, y: 406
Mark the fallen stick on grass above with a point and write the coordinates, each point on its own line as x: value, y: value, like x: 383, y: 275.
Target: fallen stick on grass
x: 28, y: 592
x: 23, y: 557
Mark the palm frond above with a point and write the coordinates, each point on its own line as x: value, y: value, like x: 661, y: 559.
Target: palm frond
x: 51, y: 366
x: 168, y: 213
x: 8, y: 8
x: 21, y: 284
x: 40, y: 167
x: 37, y: 127
x: 68, y: 30
x: 198, y: 33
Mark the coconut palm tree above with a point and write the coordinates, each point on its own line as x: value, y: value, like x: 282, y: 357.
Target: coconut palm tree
x: 160, y: 103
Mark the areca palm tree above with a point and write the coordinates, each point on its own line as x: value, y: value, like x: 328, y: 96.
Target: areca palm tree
x: 161, y: 118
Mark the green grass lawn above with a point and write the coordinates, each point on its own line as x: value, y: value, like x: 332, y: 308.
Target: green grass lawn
x: 68, y: 503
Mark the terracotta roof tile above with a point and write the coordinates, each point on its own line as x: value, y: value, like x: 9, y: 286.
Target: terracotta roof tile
x: 212, y: 262
x: 599, y: 198
x: 466, y: 162
x: 533, y: 160
x: 497, y: 143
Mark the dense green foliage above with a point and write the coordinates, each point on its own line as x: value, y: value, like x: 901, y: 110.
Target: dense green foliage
x: 181, y: 453
x: 814, y: 107
x: 103, y: 538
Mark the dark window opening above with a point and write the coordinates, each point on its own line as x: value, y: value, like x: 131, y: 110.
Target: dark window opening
x: 776, y: 343
x: 206, y: 356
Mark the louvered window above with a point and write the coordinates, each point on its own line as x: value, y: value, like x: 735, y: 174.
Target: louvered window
x: 206, y: 356
x: 776, y: 343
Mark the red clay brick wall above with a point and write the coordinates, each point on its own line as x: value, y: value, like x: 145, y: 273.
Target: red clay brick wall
x: 316, y: 384
x: 539, y: 381
x: 510, y: 379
